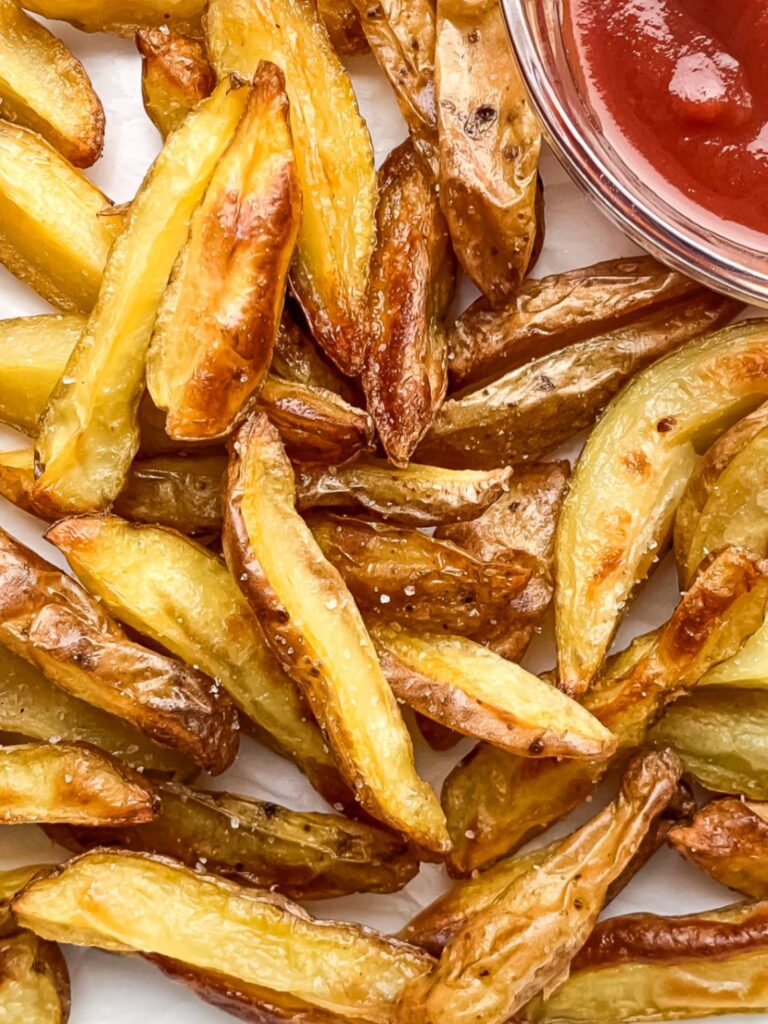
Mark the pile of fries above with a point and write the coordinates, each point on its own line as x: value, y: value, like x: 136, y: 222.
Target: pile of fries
x: 298, y: 500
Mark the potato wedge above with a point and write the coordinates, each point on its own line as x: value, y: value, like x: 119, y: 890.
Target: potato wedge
x: 48, y: 619
x: 343, y: 27
x: 315, y: 630
x: 631, y: 477
x: 413, y: 273
x: 494, y: 802
x: 489, y: 144
x: 523, y: 942
x: 297, y: 358
x: 123, y: 17
x: 89, y: 432
x: 642, y: 967
x: 134, y: 902
x: 67, y: 783
x: 188, y: 603
x: 471, y: 690
x: 416, y: 496
x: 52, y: 236
x: 334, y: 159
x: 530, y: 410
x: 12, y: 881
x: 304, y: 856
x: 747, y: 669
x: 175, y: 76
x: 218, y: 318
x: 548, y: 314
x: 34, y: 981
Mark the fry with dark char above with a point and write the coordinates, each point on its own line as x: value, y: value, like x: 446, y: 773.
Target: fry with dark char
x: 413, y: 268
x: 123, y: 16
x: 175, y: 76
x: 66, y: 783
x: 34, y: 981
x: 54, y: 623
x: 523, y: 942
x: 129, y: 902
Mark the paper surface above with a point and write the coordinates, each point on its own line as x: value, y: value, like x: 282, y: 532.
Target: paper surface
x: 109, y: 989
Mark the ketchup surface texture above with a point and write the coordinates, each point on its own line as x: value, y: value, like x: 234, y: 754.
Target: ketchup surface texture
x: 685, y: 83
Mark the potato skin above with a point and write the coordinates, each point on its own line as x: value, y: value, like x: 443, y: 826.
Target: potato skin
x: 343, y: 26
x: 297, y: 358
x: 175, y: 76
x: 34, y: 980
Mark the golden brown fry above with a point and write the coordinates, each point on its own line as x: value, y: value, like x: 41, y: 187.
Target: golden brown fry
x: 89, y: 431
x: 536, y: 407
x: 67, y: 783
x: 303, y: 855
x: 48, y: 619
x: 297, y: 358
x: 315, y: 630
x: 630, y: 478
x: 34, y: 981
x: 489, y: 143
x: 523, y: 942
x: 52, y: 236
x: 12, y: 881
x: 494, y: 802
x: 548, y: 314
x: 343, y: 27
x: 43, y: 86
x: 180, y: 595
x: 175, y: 76
x: 416, y: 496
x: 334, y: 159
x: 123, y: 16
x: 132, y: 902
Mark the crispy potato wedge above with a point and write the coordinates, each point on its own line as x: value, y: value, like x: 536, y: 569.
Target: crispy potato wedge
x: 416, y: 496
x: 642, y: 968
x: 12, y: 881
x: 413, y: 273
x: 343, y: 27
x: 317, y: 633
x: 523, y: 942
x: 55, y: 624
x: 494, y: 802
x: 721, y: 504
x: 134, y: 902
x: 219, y: 316
x: 297, y: 358
x: 305, y: 856
x: 530, y: 410
x: 123, y: 17
x: 489, y: 142
x: 43, y: 86
x: 548, y: 314
x: 187, y: 602
x: 175, y: 76
x: 89, y: 432
x: 471, y: 690
x: 631, y: 477
x: 34, y: 981
x: 334, y: 159
x: 67, y: 783
x: 53, y: 237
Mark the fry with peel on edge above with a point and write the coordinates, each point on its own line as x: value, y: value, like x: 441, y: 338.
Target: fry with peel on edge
x: 413, y: 271
x: 123, y: 17
x: 89, y: 432
x: 415, y: 496
x: 175, y: 76
x: 218, y: 318
x: 298, y: 358
x: 473, y: 691
x: 489, y: 144
x: 43, y: 86
x: 334, y: 160
x: 180, y: 595
x: 128, y: 902
x: 630, y: 478
x: 643, y: 967
x: 34, y: 981
x: 58, y: 783
x: 52, y: 622
x: 524, y: 941
x: 52, y: 234
x: 495, y: 801
x: 315, y: 629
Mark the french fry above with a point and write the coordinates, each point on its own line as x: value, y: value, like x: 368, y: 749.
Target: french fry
x: 129, y: 902
x: 12, y: 881
x: 175, y: 76
x: 315, y: 630
x: 123, y: 17
x: 343, y: 27
x: 89, y: 432
x: 334, y: 159
x: 52, y: 234
x: 34, y: 982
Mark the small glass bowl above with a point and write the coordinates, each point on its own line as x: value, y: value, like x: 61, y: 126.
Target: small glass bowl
x: 570, y: 126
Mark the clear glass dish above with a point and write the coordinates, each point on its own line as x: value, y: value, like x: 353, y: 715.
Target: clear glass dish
x: 724, y: 263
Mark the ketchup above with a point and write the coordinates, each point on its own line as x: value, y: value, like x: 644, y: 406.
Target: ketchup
x: 684, y: 84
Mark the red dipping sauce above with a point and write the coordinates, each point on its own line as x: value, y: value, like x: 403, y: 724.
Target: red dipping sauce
x: 684, y: 85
